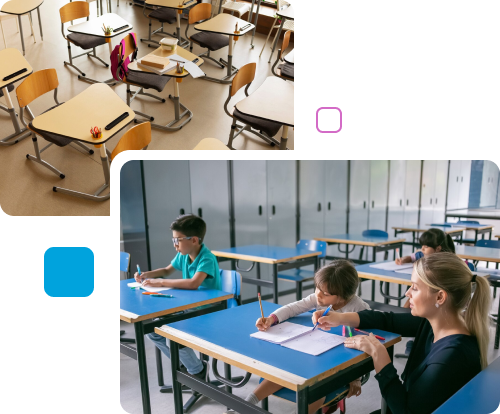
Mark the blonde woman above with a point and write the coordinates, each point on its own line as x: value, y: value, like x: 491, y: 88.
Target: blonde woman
x: 449, y: 320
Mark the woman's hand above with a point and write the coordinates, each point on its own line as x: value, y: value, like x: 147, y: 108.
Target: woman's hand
x: 325, y: 322
x: 263, y: 324
x: 153, y: 282
x: 354, y: 388
x: 372, y: 346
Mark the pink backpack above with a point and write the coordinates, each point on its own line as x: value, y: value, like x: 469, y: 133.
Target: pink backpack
x: 120, y: 61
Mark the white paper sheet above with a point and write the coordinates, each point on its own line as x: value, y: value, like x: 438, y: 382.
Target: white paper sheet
x: 315, y: 343
x: 147, y: 288
x: 193, y: 69
x: 392, y: 266
x: 407, y: 271
x: 281, y: 332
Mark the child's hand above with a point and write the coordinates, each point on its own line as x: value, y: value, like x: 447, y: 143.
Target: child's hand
x: 263, y: 324
x: 354, y: 388
x: 138, y: 278
x: 153, y: 282
x: 325, y: 322
x: 399, y: 261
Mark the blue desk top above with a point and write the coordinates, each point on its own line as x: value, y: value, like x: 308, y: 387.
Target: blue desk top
x: 420, y: 229
x: 231, y: 329
x: 367, y: 272
x: 265, y: 254
x: 135, y: 307
x: 471, y: 226
x: 360, y: 239
x: 478, y: 253
x: 479, y: 396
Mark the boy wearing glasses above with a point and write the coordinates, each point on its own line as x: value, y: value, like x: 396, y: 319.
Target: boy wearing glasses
x: 199, y: 267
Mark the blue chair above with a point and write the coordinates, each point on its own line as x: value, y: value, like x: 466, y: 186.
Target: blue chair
x: 125, y: 267
x: 231, y: 282
x: 301, y: 275
x: 440, y: 225
x: 375, y: 233
x: 465, y: 222
x: 492, y: 244
x: 371, y: 233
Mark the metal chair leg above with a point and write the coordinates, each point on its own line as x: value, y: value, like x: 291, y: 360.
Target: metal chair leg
x: 39, y: 160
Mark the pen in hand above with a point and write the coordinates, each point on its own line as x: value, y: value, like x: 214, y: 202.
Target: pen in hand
x: 324, y: 314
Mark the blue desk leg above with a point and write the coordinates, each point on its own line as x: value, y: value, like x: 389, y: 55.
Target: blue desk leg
x: 275, y: 283
x: 176, y: 386
x: 302, y: 403
x: 143, y: 372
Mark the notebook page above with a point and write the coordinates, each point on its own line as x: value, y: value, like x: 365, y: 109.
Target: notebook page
x: 408, y: 271
x: 281, y: 332
x: 392, y: 266
x: 147, y: 288
x: 315, y: 343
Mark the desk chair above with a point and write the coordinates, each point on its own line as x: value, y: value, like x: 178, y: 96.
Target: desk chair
x: 493, y: 244
x: 267, y: 129
x: 288, y: 25
x: 285, y: 69
x: 465, y: 223
x: 73, y: 11
x: 231, y: 282
x: 136, y: 138
x: 162, y: 15
x: 34, y: 86
x: 125, y: 267
x: 301, y: 275
x: 235, y: 7
x: 143, y: 80
x: 207, y: 40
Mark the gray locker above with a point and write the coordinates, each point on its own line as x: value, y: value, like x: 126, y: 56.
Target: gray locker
x: 465, y: 170
x: 167, y: 195
x: 379, y: 180
x: 396, y: 195
x: 453, y: 184
x: 489, y: 184
x: 412, y: 192
x: 427, y: 193
x: 440, y: 192
x: 359, y: 195
x: 312, y: 179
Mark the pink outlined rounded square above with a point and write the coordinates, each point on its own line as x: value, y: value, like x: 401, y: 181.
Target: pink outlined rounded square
x: 329, y: 132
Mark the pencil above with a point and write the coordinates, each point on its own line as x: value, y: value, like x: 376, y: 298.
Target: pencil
x: 260, y: 303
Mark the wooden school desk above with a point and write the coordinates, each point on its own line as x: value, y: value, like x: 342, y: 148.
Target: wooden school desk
x: 12, y: 61
x: 225, y: 336
x: 141, y: 310
x: 416, y: 230
x: 281, y: 258
x: 479, y: 395
x: 97, y: 106
x: 94, y: 28
x: 177, y: 5
x: 273, y: 101
x: 178, y: 79
x: 20, y: 7
x: 481, y: 213
x: 478, y: 229
x: 211, y: 144
x: 486, y: 254
x: 284, y: 14
x: 225, y: 24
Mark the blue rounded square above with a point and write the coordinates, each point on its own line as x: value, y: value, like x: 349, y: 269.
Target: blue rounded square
x: 69, y: 272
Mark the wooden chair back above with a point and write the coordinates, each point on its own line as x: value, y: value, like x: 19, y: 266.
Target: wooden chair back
x: 129, y: 46
x: 35, y: 85
x: 286, y: 41
x: 202, y: 11
x: 245, y: 75
x: 135, y: 138
x: 74, y: 10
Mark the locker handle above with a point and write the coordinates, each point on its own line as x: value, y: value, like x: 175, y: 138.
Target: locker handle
x: 319, y: 206
x: 274, y: 210
x: 364, y: 204
x: 373, y: 204
x: 260, y: 210
x: 457, y: 179
x: 436, y: 201
x: 182, y: 211
x: 407, y: 201
x: 200, y: 212
x: 400, y: 203
x: 329, y: 205
x: 431, y: 200
x: 461, y: 179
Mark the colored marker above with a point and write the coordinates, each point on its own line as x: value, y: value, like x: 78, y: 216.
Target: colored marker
x: 139, y: 271
x: 343, y: 330
x: 349, y: 329
x: 397, y: 254
x: 367, y: 333
x: 157, y: 295
x: 324, y: 314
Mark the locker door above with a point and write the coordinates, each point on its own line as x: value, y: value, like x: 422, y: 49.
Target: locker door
x: 454, y: 185
x: 250, y: 210
x: 463, y: 198
x: 358, y: 199
x: 167, y: 196
x: 335, y: 201
x: 210, y: 200
x: 489, y: 184
x: 379, y: 180
x: 312, y: 196
x: 427, y: 193
x: 396, y: 195
x: 440, y: 191
x: 494, y: 183
x: 412, y: 192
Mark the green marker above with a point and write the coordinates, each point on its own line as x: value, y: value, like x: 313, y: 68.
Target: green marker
x: 349, y: 329
x: 162, y: 296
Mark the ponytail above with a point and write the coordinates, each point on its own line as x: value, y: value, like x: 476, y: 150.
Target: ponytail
x: 450, y: 246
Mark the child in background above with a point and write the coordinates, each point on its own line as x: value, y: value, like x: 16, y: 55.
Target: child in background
x: 199, y: 267
x: 432, y: 241
x: 336, y: 285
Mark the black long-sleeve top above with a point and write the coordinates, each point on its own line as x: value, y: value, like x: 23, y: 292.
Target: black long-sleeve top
x: 433, y: 372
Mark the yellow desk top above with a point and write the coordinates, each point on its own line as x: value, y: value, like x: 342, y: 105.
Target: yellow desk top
x: 225, y: 24
x: 12, y: 60
x: 186, y: 54
x: 211, y: 144
x: 383, y: 278
x: 97, y: 106
x: 93, y: 27
x: 20, y: 6
x: 273, y: 100
x: 172, y: 4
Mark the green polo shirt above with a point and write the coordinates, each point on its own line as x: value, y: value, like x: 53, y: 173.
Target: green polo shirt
x: 205, y: 262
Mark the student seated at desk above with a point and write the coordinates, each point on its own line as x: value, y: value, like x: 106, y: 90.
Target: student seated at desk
x: 451, y: 332
x: 432, y: 241
x: 199, y: 267
x: 336, y: 285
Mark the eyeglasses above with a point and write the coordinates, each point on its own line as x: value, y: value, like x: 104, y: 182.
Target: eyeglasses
x: 177, y: 239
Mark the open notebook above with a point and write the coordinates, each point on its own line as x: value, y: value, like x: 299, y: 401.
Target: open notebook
x: 392, y: 266
x: 147, y: 288
x: 300, y: 338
